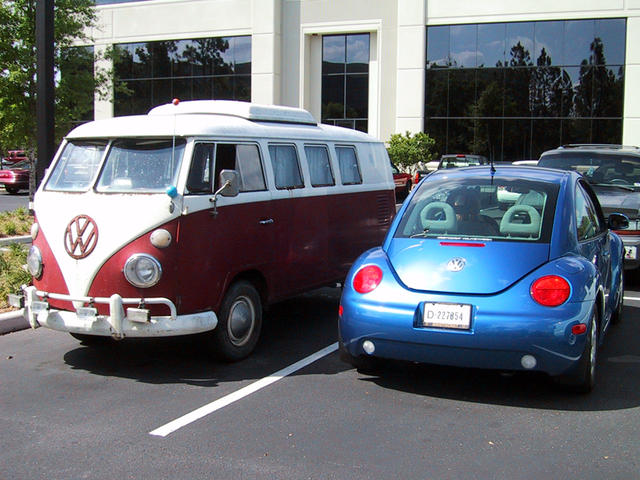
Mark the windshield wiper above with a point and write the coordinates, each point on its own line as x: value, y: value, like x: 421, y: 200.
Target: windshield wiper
x: 612, y: 185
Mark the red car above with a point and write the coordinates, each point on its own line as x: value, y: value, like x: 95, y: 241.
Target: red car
x: 402, y: 181
x: 14, y: 156
x: 16, y: 177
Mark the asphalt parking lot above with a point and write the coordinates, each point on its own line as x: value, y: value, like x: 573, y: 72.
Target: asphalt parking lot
x: 69, y: 411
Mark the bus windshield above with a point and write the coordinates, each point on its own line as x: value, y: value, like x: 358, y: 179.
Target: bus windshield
x: 141, y: 165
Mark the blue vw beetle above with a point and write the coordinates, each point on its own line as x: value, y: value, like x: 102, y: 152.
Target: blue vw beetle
x: 509, y: 268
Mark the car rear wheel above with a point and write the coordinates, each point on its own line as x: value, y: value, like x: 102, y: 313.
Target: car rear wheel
x: 11, y: 190
x: 239, y: 323
x: 585, y: 378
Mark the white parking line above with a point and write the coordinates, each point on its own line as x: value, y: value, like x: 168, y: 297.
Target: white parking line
x: 205, y: 410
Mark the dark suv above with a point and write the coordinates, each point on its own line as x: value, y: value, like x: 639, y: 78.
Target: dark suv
x: 614, y: 173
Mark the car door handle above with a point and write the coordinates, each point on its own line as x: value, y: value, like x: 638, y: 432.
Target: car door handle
x: 268, y: 221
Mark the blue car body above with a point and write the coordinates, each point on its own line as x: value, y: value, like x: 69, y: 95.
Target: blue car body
x: 506, y: 327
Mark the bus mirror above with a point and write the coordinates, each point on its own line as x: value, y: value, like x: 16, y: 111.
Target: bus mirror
x: 229, y: 182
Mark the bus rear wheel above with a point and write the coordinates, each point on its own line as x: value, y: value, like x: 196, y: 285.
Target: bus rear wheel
x: 239, y: 323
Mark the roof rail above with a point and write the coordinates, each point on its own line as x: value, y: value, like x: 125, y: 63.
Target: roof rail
x: 246, y: 110
x: 612, y: 146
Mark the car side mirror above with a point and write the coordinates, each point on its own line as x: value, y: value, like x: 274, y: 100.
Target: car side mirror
x: 618, y: 221
x: 229, y: 181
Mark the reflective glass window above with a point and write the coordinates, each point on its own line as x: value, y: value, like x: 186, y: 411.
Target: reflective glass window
x: 152, y: 73
x: 579, y: 34
x: 519, y: 44
x: 491, y: 41
x: 438, y: 46
x: 464, y: 45
x: 345, y: 80
x: 549, y: 43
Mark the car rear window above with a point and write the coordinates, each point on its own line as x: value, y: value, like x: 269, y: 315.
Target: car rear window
x: 505, y: 209
x: 599, y: 168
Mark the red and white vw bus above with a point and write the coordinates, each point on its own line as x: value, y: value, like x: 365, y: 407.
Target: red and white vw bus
x: 194, y: 217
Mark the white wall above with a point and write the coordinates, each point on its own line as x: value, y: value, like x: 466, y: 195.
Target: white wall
x: 287, y: 54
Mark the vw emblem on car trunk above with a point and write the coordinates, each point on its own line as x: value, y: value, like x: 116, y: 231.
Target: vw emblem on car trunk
x: 80, y: 237
x: 456, y: 264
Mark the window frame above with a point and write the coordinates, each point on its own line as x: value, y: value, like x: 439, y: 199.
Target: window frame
x: 358, y: 169
x: 329, y: 162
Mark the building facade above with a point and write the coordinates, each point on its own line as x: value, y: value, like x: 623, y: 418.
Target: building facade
x: 504, y: 79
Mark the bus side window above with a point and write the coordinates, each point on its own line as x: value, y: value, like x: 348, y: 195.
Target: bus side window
x: 245, y: 159
x: 319, y: 165
x: 348, y: 162
x: 286, y: 169
x: 199, y: 179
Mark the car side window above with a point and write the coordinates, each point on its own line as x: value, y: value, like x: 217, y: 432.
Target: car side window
x: 319, y: 165
x: 286, y: 168
x: 349, y: 168
x: 587, y: 221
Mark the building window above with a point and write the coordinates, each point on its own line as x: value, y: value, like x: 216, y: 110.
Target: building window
x: 153, y: 73
x: 345, y: 80
x: 513, y: 90
x: 78, y: 82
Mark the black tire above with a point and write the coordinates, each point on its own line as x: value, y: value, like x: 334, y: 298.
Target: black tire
x: 585, y: 378
x: 407, y: 189
x: 11, y: 190
x: 616, y: 316
x: 91, y: 340
x: 239, y: 323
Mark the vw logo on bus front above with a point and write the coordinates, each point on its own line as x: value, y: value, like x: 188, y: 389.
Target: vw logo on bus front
x: 80, y: 237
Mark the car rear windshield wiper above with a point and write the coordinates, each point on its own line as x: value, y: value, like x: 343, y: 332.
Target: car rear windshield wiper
x: 611, y: 185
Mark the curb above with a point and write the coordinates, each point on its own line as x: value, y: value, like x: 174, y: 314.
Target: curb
x: 13, y: 322
x: 9, y: 240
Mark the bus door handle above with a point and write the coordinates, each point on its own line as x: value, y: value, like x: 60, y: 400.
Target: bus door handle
x: 268, y: 221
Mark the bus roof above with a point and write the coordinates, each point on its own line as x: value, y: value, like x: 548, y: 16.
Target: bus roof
x: 219, y: 118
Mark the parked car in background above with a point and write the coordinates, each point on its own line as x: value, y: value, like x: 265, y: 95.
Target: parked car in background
x: 531, y: 163
x: 459, y: 281
x: 461, y: 160
x: 402, y: 181
x: 13, y: 156
x: 15, y: 177
x: 614, y: 173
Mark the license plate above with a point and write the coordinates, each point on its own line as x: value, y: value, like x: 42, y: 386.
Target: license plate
x: 630, y: 253
x: 447, y: 315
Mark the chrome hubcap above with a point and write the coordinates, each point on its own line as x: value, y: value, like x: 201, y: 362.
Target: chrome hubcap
x: 241, y: 321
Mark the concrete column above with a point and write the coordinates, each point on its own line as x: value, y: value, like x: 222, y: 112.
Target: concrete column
x: 266, y: 48
x: 410, y: 78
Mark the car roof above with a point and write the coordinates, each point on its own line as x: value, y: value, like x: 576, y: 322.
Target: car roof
x: 609, y: 149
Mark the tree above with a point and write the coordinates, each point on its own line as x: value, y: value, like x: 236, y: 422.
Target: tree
x: 74, y: 92
x: 410, y: 149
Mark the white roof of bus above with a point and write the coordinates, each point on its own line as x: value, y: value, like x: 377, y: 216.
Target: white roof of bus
x: 219, y: 118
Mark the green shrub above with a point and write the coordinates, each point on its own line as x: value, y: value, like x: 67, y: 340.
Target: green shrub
x: 406, y: 150
x: 12, y: 273
x: 17, y: 222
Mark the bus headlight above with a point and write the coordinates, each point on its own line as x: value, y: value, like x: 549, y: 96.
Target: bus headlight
x: 142, y: 270
x: 34, y: 261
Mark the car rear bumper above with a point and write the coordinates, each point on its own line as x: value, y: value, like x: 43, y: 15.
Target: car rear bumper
x: 495, y: 340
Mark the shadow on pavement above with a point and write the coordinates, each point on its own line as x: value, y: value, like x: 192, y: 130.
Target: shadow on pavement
x: 618, y: 379
x: 291, y: 331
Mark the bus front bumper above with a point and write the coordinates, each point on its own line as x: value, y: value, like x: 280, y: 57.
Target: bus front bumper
x: 121, y: 322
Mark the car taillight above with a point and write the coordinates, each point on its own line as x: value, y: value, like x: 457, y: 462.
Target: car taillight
x: 367, y: 279
x: 416, y: 178
x: 550, y: 290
